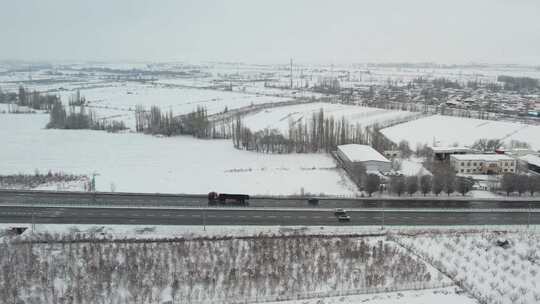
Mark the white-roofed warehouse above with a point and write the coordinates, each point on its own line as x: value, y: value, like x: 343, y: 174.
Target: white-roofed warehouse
x: 354, y: 156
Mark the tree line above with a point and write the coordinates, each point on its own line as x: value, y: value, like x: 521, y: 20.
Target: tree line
x: 31, y: 99
x: 36, y: 100
x: 78, y: 117
x: 318, y: 134
x: 195, y: 123
x: 520, y: 183
x: 443, y: 180
x: 518, y: 83
x: 7, y: 97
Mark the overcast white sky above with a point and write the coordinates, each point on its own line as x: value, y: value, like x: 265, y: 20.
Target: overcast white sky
x: 451, y: 31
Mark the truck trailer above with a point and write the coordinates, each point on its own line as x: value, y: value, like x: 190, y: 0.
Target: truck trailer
x: 215, y: 198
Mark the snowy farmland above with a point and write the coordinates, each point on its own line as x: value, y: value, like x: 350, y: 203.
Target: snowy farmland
x: 142, y: 163
x: 491, y: 272
x: 280, y: 117
x: 118, y: 101
x: 125, y: 96
x: 222, y: 270
x: 448, y: 130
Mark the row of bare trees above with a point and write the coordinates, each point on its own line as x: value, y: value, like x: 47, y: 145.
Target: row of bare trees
x: 78, y: 117
x: 31, y: 99
x: 196, y: 123
x: 36, y: 100
x: 318, y: 134
x: 520, y: 183
x: 443, y: 179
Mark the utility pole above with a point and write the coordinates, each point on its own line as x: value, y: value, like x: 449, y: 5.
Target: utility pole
x: 291, y: 86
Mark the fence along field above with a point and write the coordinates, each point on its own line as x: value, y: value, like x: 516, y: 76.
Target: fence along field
x: 64, y: 269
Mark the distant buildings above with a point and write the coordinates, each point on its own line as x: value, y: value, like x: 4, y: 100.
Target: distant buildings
x: 354, y: 156
x: 444, y: 153
x: 483, y: 163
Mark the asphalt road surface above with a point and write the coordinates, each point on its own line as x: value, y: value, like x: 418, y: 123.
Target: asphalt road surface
x: 253, y: 216
x: 172, y: 200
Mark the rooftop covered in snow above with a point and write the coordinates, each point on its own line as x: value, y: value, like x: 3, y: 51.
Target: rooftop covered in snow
x: 450, y: 149
x: 484, y: 157
x: 531, y: 159
x: 361, y: 153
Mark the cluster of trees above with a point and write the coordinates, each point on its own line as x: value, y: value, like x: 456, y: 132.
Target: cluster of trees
x: 518, y: 83
x: 76, y: 99
x: 490, y: 86
x: 156, y: 122
x: 439, y: 83
x: 200, y: 270
x: 490, y: 145
x: 487, y: 145
x: 520, y: 183
x: 320, y: 133
x: 80, y: 118
x: 195, y: 123
x: 327, y: 85
x: 7, y: 97
x: 36, y: 100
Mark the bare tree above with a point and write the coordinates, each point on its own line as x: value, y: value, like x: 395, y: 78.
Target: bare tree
x: 464, y: 185
x: 522, y: 183
x: 438, y: 184
x: 397, y: 184
x: 426, y: 183
x: 373, y: 181
x: 412, y: 184
x: 404, y: 148
x: 533, y: 184
x: 508, y: 183
x: 487, y: 145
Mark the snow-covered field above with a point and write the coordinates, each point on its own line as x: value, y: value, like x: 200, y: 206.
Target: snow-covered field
x: 448, y: 130
x: 142, y: 163
x: 125, y: 96
x: 490, y: 272
x: 280, y: 117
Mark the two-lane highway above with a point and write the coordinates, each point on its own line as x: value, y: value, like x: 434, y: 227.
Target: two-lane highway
x: 260, y: 216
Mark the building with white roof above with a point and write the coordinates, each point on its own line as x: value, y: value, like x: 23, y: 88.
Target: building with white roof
x: 354, y: 156
x: 483, y: 163
x: 443, y: 153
